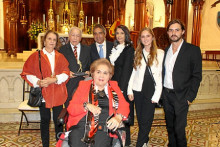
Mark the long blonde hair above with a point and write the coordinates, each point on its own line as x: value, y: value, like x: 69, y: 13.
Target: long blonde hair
x: 153, y: 50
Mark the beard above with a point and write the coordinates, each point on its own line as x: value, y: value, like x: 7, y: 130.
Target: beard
x: 176, y: 38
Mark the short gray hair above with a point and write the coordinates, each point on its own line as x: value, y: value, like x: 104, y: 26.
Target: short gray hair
x: 73, y: 28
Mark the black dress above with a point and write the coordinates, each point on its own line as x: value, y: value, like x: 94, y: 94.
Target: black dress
x: 102, y: 139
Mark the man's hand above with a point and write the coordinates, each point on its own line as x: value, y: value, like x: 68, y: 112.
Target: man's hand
x: 188, y: 102
x: 131, y: 97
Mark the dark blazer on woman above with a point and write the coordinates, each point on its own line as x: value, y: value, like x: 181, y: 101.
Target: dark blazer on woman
x: 123, y: 68
x: 94, y: 52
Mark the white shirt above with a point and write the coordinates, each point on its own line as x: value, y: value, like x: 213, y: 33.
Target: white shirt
x: 116, y: 51
x: 169, y: 64
x: 105, y: 89
x: 137, y: 76
x: 103, y: 47
x: 60, y: 78
x: 78, y: 49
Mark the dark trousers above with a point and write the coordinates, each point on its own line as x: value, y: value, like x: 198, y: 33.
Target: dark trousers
x: 130, y: 123
x: 176, y: 118
x: 102, y: 139
x: 45, y: 116
x: 145, y: 115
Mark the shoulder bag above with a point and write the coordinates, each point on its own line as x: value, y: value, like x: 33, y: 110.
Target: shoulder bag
x: 159, y: 104
x: 35, y: 96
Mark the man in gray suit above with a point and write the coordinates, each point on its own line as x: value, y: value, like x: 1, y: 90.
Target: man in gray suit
x: 101, y: 48
x: 78, y: 56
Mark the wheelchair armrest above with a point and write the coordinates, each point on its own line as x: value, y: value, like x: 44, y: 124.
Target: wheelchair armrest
x: 63, y: 117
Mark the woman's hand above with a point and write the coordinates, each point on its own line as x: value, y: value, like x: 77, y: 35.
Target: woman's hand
x: 153, y: 102
x: 114, y: 122
x: 72, y: 74
x: 131, y: 97
x: 46, y: 82
x: 94, y: 109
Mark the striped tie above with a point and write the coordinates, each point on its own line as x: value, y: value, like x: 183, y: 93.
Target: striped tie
x: 75, y: 51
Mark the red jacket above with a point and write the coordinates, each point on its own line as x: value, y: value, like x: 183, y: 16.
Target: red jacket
x: 76, y: 110
x: 54, y: 94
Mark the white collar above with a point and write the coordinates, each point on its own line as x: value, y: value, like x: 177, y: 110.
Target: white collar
x: 105, y: 89
x: 72, y: 46
x: 97, y: 44
x: 47, y: 53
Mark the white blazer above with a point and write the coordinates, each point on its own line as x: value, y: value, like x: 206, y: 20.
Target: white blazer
x: 137, y: 76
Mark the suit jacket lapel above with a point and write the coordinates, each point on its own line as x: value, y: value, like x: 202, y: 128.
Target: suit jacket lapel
x: 81, y: 52
x: 108, y: 50
x: 180, y: 55
x: 72, y: 56
x: 95, y: 49
x: 70, y: 51
x: 164, y: 59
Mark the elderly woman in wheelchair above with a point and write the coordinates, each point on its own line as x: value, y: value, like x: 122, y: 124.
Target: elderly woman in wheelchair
x: 97, y: 109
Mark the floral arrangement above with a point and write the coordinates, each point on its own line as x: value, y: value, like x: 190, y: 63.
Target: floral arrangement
x: 34, y: 30
x: 89, y: 29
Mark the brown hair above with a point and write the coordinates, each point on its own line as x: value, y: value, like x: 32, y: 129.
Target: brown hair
x: 58, y: 39
x: 153, y: 50
x: 101, y: 27
x: 102, y: 61
x: 176, y: 21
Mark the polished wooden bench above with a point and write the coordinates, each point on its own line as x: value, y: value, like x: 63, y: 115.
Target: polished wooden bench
x: 212, y: 55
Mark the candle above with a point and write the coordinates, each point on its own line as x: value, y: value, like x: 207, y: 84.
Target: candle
x: 58, y: 17
x: 43, y: 18
x: 86, y: 19
x: 92, y: 20
x: 98, y: 20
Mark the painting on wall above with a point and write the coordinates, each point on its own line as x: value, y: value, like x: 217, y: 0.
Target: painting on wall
x: 149, y: 14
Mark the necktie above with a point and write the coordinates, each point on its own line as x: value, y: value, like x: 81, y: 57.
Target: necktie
x: 101, y: 54
x: 75, y: 51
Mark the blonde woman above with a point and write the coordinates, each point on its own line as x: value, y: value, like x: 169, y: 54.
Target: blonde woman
x: 145, y: 84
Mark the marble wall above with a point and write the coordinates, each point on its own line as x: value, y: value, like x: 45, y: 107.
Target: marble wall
x: 11, y: 87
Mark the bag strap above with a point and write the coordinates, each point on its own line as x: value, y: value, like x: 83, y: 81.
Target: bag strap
x: 149, y: 69
x: 40, y: 63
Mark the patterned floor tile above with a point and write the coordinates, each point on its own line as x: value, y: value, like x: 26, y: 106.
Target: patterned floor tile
x: 203, y: 130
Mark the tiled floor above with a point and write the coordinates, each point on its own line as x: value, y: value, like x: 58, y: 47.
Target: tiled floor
x: 203, y: 130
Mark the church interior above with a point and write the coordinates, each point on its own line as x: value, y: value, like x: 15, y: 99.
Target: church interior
x: 23, y: 23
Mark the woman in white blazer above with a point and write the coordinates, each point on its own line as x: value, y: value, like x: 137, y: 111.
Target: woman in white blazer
x: 145, y: 84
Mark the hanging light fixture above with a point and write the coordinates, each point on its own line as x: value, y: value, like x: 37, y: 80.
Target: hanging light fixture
x: 23, y: 19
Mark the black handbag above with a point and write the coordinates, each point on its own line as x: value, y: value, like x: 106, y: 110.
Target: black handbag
x: 35, y: 95
x: 160, y: 103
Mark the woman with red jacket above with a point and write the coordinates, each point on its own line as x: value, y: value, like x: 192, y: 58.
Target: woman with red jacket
x: 52, y: 80
x: 91, y: 106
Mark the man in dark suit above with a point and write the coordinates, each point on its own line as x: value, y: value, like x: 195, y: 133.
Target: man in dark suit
x: 182, y: 74
x: 101, y: 48
x: 78, y: 56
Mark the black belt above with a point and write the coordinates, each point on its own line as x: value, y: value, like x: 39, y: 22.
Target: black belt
x: 169, y: 90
